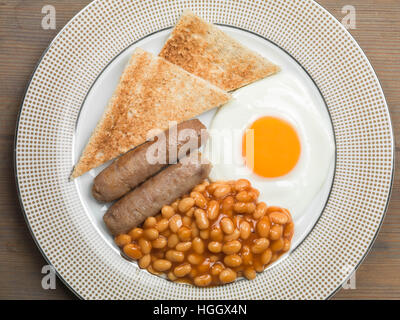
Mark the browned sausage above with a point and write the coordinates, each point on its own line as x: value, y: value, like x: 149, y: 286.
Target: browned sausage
x: 149, y: 198
x: 131, y: 169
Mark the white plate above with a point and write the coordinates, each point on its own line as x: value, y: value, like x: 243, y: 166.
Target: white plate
x: 77, y: 75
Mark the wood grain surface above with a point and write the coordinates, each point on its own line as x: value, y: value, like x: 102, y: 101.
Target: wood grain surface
x: 22, y: 42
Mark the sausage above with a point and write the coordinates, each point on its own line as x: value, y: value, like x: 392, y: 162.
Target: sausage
x: 149, y: 198
x: 131, y: 169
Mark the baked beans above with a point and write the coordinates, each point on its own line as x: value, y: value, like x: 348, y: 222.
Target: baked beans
x: 211, y: 236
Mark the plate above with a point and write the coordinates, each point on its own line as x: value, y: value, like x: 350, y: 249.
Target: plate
x: 77, y: 75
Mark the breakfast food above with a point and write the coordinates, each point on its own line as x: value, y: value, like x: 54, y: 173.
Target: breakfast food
x: 149, y: 198
x: 283, y: 144
x: 133, y: 168
x: 204, y: 50
x: 152, y: 92
x: 211, y: 236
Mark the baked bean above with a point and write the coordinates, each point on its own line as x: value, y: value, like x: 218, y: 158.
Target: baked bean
x: 199, y: 200
x: 144, y: 245
x: 227, y: 225
x: 150, y: 222
x: 242, y: 185
x: 213, y: 209
x: 144, y: 261
x: 222, y: 191
x: 216, y: 234
x: 203, y: 267
x: 171, y: 276
x: 215, y: 247
x: 133, y: 251
x: 214, y: 258
x: 250, y: 273
x: 162, y: 225
x: 236, y: 221
x: 259, y: 245
x: 190, y: 212
x: 247, y: 256
x: 153, y: 271
x: 275, y: 257
x: 273, y: 209
x: 122, y: 240
x: 159, y: 243
x: 231, y: 247
x: 240, y: 207
x: 162, y: 265
x: 203, y: 280
x: 258, y: 266
x: 198, y: 245
x: 233, y: 236
x: 275, y: 232
x: 182, y: 270
x: 260, y: 211
x: 277, y: 245
x: 187, y: 221
x: 193, y: 273
x: 175, y: 256
x: 205, y: 234
x: 200, y: 188
x: 227, y: 205
x: 278, y: 217
x: 233, y: 260
x: 151, y: 234
x: 174, y: 205
x: 245, y: 230
x: 184, y: 234
x: 289, y: 230
x: 159, y: 254
x: 250, y: 207
x: 183, y: 246
x: 243, y: 196
x: 195, y: 230
x: 263, y: 227
x: 286, y: 245
x: 201, y: 219
x: 166, y: 233
x: 173, y: 240
x: 167, y: 212
x: 227, y: 275
x: 266, y: 256
x: 136, y: 233
x: 212, y: 187
x: 175, y: 222
x: 253, y: 194
x: 195, y: 258
x: 185, y: 204
x: 216, y: 269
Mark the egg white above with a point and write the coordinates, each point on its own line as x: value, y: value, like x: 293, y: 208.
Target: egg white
x: 281, y: 96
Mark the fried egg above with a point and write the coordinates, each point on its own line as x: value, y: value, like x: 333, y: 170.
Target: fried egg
x: 273, y: 134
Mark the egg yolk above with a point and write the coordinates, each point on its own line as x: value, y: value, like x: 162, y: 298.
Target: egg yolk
x: 271, y: 147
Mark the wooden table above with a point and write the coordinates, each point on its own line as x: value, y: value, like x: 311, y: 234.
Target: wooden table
x: 22, y: 41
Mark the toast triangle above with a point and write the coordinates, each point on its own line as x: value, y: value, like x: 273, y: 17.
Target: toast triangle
x: 151, y: 93
x: 203, y: 49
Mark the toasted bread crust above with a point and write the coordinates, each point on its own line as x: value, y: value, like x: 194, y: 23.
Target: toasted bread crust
x: 152, y: 92
x: 204, y: 50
